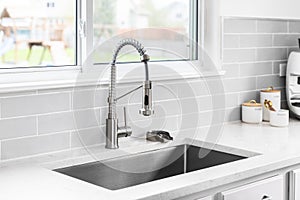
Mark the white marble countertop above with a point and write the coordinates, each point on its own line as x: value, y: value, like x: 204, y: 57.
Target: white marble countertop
x: 269, y: 149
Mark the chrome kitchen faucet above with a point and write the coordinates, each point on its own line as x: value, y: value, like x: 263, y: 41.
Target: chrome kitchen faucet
x: 113, y: 131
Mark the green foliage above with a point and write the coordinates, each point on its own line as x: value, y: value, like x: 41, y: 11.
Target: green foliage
x: 105, y: 11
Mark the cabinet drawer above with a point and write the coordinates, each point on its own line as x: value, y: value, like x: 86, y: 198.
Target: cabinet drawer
x: 268, y: 189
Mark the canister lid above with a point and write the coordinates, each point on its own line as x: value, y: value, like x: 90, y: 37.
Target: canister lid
x: 270, y: 90
x: 252, y: 103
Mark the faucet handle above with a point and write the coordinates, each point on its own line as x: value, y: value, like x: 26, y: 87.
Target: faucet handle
x: 125, y: 115
x: 126, y: 130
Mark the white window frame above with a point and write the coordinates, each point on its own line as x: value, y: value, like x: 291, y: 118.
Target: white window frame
x: 194, y: 12
x: 21, y: 79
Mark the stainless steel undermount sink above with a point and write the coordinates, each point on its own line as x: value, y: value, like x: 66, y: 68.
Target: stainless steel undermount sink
x: 149, y: 166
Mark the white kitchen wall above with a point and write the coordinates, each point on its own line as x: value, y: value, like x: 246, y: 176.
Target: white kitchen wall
x: 286, y: 9
x: 253, y: 49
x: 45, y: 121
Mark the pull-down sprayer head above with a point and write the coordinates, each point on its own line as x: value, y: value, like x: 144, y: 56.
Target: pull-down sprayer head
x: 146, y: 109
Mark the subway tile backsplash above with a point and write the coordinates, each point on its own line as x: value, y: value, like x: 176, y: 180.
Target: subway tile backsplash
x: 269, y: 40
x: 45, y: 121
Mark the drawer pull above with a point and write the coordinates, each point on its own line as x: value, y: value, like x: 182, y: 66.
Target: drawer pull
x: 266, y: 198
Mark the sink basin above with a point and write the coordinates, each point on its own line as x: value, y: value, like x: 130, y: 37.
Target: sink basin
x: 149, y: 166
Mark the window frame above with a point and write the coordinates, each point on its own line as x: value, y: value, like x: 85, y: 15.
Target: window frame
x: 196, y: 8
x: 84, y: 39
x: 79, y: 44
x: 23, y: 79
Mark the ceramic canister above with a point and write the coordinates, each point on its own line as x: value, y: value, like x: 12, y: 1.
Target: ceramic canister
x: 270, y: 95
x: 252, y: 112
x: 279, y: 118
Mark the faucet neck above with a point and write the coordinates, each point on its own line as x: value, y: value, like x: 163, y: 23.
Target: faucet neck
x: 112, y: 99
x: 112, y: 120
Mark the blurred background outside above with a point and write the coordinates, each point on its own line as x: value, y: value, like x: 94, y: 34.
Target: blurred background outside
x: 43, y: 32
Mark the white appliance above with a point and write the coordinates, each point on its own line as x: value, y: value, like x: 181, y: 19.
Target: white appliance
x: 293, y: 83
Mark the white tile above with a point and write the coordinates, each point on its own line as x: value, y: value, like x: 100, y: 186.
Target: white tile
x: 89, y: 99
x: 272, y: 26
x: 267, y: 81
x: 233, y: 114
x: 269, y: 54
x: 239, y: 26
x: 231, y: 41
x: 247, y: 41
x: 239, y: 85
x: 87, y: 137
x: 68, y: 121
x: 16, y: 94
x: 164, y: 92
x: 17, y: 127
x: 286, y: 40
x: 34, y: 145
x: 247, y: 96
x: 35, y: 104
x: 238, y: 55
x: 255, y: 69
x: 55, y: 123
x: 232, y: 70
x: 294, y: 26
x: 195, y: 88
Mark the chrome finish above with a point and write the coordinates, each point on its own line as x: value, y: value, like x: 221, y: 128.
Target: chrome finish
x: 146, y: 110
x: 126, y: 130
x: 112, y: 129
x: 128, y: 93
x: 111, y: 139
x: 149, y: 166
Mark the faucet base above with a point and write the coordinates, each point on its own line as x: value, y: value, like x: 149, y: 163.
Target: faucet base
x: 112, y: 134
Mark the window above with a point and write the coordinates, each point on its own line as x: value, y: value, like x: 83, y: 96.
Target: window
x: 37, y: 33
x: 55, y: 33
x: 166, y: 27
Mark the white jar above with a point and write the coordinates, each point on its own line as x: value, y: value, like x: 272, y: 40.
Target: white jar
x: 271, y: 95
x: 252, y: 112
x: 279, y: 118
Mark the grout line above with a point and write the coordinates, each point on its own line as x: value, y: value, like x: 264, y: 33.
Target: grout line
x: 33, y: 94
x: 71, y: 101
x: 256, y: 25
x: 37, y: 125
x: 70, y: 140
x: 33, y: 136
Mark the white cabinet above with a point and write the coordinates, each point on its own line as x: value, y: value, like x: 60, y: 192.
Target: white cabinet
x: 268, y: 189
x: 294, y: 185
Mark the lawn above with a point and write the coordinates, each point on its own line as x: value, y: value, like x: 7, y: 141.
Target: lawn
x: 35, y: 57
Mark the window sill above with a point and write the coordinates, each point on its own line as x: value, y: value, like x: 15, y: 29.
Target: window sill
x: 22, y: 82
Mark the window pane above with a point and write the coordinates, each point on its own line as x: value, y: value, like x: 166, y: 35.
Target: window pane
x: 161, y: 25
x: 37, y: 33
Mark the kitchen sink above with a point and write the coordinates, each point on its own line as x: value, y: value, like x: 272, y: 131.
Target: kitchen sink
x: 148, y: 166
